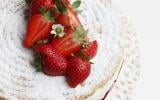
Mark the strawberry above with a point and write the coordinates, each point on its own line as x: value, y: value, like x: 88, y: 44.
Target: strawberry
x: 67, y: 44
x: 68, y: 16
x: 36, y: 5
x: 68, y: 30
x: 71, y: 42
x: 74, y: 21
x: 90, y: 51
x: 38, y: 28
x: 69, y: 19
x: 77, y: 71
x: 54, y: 64
x: 63, y: 20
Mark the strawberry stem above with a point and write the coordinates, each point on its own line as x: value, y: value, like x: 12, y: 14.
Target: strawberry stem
x: 38, y: 62
x: 48, y: 15
x: 80, y: 34
x: 60, y: 6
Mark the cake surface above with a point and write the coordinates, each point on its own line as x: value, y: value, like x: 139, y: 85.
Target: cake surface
x: 18, y: 77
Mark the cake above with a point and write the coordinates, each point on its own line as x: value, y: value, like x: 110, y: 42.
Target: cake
x: 18, y: 76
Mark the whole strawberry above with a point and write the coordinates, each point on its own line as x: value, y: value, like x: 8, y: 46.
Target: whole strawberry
x: 91, y: 50
x: 77, y: 71
x: 36, y: 5
x: 54, y: 64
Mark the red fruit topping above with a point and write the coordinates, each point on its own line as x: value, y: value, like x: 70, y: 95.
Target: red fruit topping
x: 68, y: 16
x: 77, y: 71
x: 54, y: 64
x: 71, y: 42
x: 38, y: 28
x: 66, y: 45
x: 91, y: 50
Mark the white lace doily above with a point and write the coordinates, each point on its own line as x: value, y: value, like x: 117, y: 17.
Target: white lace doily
x: 131, y: 67
x: 128, y: 41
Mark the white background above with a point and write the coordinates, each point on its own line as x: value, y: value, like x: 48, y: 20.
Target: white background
x: 145, y: 15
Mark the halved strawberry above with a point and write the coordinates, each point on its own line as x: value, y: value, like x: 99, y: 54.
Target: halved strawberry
x: 54, y: 64
x: 67, y: 44
x: 38, y: 28
x: 71, y: 42
x: 63, y: 20
x: 77, y: 71
x: 36, y: 5
x: 68, y: 16
x: 69, y: 19
x: 68, y: 30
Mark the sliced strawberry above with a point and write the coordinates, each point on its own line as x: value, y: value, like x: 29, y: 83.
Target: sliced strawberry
x: 74, y: 20
x: 67, y: 44
x: 68, y: 16
x: 90, y: 51
x: 71, y: 42
x: 77, y: 71
x: 63, y: 20
x: 68, y: 30
x: 69, y: 19
x: 36, y: 5
x: 54, y: 64
x: 38, y: 28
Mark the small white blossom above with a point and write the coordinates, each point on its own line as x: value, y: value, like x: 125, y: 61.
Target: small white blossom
x: 57, y: 30
x: 54, y: 26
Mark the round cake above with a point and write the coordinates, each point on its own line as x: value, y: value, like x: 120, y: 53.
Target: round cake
x: 19, y: 79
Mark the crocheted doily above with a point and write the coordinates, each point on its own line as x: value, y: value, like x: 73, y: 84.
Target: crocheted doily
x: 131, y: 67
x: 126, y: 39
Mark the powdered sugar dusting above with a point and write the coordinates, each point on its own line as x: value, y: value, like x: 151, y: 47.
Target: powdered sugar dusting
x: 18, y: 77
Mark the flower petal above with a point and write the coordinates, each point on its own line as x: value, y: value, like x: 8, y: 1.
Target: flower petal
x: 53, y: 32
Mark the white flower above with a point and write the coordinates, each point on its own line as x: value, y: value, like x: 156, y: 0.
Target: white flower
x: 57, y: 30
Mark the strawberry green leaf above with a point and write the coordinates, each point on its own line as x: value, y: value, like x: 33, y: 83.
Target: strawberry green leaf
x: 38, y: 62
x: 60, y: 6
x: 38, y: 67
x: 47, y: 14
x: 80, y: 53
x: 80, y: 33
x: 42, y: 10
x: 76, y: 4
x: 88, y: 58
